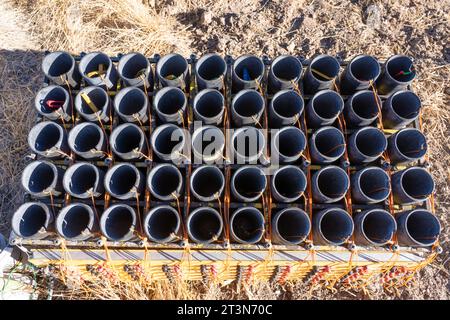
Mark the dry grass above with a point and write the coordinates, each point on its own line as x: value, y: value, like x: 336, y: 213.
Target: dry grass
x: 342, y: 27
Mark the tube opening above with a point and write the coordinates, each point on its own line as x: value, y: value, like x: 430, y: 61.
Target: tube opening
x: 87, y: 138
x: 91, y: 63
x: 168, y: 139
x: 249, y: 104
x: 291, y: 142
x: 365, y: 106
x: 208, y: 182
x: 55, y: 93
x: 365, y: 68
x: 122, y: 179
x: 248, y: 143
x: 171, y: 101
x: 163, y: 224
x: 172, y: 66
x: 406, y: 104
x: 208, y: 141
x: 204, y: 225
x: 48, y: 137
x: 165, y: 180
x: 330, y: 142
x: 247, y: 225
x: 293, y: 225
x: 83, y: 179
x: 417, y: 183
x: 336, y: 226
x: 371, y: 142
x: 287, y: 68
x: 119, y: 222
x: 423, y: 227
x: 133, y: 66
x: 411, y: 143
x: 128, y: 139
x: 401, y: 68
x: 333, y: 182
x: 248, y: 68
x: 39, y: 177
x: 30, y: 220
x: 374, y: 183
x: 379, y: 226
x: 249, y: 182
x: 211, y: 67
x: 327, y: 104
x: 97, y: 95
x: 210, y: 104
x: 76, y: 220
x: 325, y: 66
x: 56, y: 64
x: 131, y: 102
x: 289, y: 182
x: 288, y: 104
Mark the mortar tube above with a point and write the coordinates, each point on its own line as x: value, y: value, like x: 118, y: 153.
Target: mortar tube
x: 398, y: 73
x: 124, y: 181
x: 407, y: 145
x: 135, y: 70
x: 285, y: 73
x: 329, y: 184
x: 162, y: 224
x: 207, y: 183
x: 288, y: 184
x: 49, y: 140
x: 370, y: 185
x: 60, y: 68
x: 128, y: 141
x: 89, y: 67
x: 361, y: 109
x: 118, y: 223
x: 247, y: 225
x: 417, y: 228
x: 324, y: 108
x: 208, y: 143
x: 332, y: 226
x: 327, y: 145
x: 168, y: 142
x: 210, y: 72
x: 400, y: 109
x: 248, y: 183
x: 131, y: 104
x: 290, y: 226
x: 366, y: 145
x: 248, y: 144
x: 358, y: 74
x: 209, y: 106
x: 204, y: 225
x: 32, y: 220
x: 285, y: 108
x: 374, y: 227
x: 87, y: 140
x: 83, y: 180
x: 170, y: 104
x: 412, y: 185
x: 288, y: 145
x: 54, y: 93
x: 77, y: 222
x: 247, y: 73
x: 247, y: 108
x: 172, y: 71
x: 100, y: 100
x: 320, y: 74
x: 165, y: 182
x: 42, y: 179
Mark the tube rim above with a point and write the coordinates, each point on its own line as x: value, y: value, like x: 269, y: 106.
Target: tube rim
x: 30, y: 168
x: 93, y: 54
x: 360, y: 226
x: 112, y: 170
x: 242, y: 58
x: 217, y: 154
x: 360, y: 57
x: 87, y: 90
x: 277, y: 217
x: 388, y: 74
x: 164, y: 91
x: 395, y: 137
x: 240, y: 94
x: 233, y: 216
x: 282, y: 92
x: 421, y: 244
x: 284, y: 56
x: 214, y: 212
x: 392, y: 97
x: 104, y: 216
x: 32, y: 135
x: 213, y: 197
x: 15, y: 221
x: 322, y: 92
x: 277, y: 151
x: 204, y: 58
x: 56, y: 53
x: 164, y: 59
x: 328, y: 159
x: 122, y: 94
x: 147, y: 217
x: 69, y: 172
x: 234, y: 190
x: 49, y: 88
x: 260, y: 138
x: 197, y: 98
x: 325, y: 212
x: 279, y: 196
x: 76, y: 130
x: 415, y: 168
x: 181, y: 144
x: 59, y: 221
x: 124, y: 60
x: 381, y: 171
x: 374, y: 129
x: 363, y: 92
x: 153, y: 172
x: 115, y: 133
x: 321, y: 56
x: 315, y: 181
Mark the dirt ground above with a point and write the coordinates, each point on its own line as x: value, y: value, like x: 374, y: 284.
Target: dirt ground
x: 420, y: 29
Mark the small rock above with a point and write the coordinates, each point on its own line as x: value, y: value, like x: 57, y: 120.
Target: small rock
x: 206, y: 17
x: 373, y: 16
x: 222, y: 20
x: 291, y: 47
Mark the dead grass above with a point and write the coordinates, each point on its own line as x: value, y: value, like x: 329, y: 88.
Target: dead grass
x: 417, y: 28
